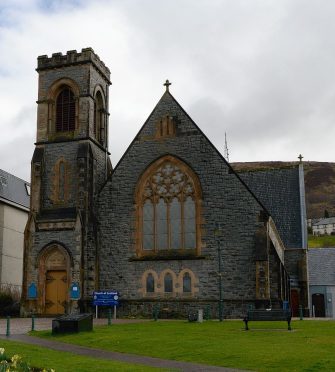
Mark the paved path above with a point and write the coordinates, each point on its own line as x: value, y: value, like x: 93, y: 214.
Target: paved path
x: 21, y: 326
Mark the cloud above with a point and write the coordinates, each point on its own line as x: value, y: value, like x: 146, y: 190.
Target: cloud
x: 260, y: 70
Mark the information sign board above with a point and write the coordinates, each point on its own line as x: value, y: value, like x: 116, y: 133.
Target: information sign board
x: 106, y: 298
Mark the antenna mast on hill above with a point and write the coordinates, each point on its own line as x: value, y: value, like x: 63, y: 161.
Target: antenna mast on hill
x: 226, y: 152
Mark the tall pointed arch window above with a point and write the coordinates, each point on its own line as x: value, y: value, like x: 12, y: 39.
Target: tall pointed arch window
x: 65, y: 110
x: 99, y: 118
x: 168, y: 208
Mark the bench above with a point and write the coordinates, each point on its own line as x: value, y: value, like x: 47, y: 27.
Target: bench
x: 268, y: 315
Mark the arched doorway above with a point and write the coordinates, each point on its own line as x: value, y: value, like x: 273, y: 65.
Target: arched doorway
x: 318, y: 302
x: 54, y: 280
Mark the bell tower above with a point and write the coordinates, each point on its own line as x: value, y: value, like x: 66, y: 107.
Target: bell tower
x: 69, y: 166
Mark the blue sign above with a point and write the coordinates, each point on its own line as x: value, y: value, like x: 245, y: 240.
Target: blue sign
x: 32, y: 291
x: 106, y: 298
x: 74, y: 291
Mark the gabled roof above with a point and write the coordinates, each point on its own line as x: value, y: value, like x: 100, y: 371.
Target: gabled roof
x: 14, y: 190
x: 321, y: 266
x: 168, y: 103
x: 325, y: 221
x: 278, y: 190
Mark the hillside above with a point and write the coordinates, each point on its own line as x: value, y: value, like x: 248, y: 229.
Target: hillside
x: 319, y: 183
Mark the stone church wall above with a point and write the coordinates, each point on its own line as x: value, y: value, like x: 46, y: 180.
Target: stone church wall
x: 225, y: 200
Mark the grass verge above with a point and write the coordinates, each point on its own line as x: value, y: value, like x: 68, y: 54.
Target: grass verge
x: 267, y: 346
x: 326, y: 241
x: 41, y: 357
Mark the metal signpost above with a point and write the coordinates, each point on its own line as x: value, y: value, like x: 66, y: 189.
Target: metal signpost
x: 105, y: 298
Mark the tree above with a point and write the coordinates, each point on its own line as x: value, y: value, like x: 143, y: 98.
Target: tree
x: 326, y: 214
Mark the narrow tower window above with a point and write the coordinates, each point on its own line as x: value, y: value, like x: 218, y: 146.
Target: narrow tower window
x: 99, y: 118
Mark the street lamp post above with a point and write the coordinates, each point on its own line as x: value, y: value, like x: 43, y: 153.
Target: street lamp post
x: 218, y: 234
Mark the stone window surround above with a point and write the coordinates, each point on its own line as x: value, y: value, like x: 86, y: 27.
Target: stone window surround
x: 150, y: 170
x: 53, y: 93
x: 177, y: 288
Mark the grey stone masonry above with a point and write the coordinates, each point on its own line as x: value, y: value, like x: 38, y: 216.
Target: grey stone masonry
x: 225, y: 200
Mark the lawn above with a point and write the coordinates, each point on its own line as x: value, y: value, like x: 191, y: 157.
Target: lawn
x: 267, y: 346
x: 40, y: 357
x: 326, y: 241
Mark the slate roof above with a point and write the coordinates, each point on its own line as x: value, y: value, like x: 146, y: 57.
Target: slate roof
x: 14, y: 189
x: 325, y: 221
x: 321, y: 266
x: 278, y: 190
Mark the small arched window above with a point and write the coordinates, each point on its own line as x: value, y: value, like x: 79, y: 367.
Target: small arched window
x: 65, y: 111
x: 99, y: 118
x: 168, y: 207
x: 187, y: 283
x: 168, y: 283
x: 150, y: 283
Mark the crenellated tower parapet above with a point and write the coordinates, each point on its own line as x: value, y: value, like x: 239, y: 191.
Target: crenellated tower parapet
x: 72, y: 57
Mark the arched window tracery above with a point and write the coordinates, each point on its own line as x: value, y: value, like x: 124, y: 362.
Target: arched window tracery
x: 168, y: 201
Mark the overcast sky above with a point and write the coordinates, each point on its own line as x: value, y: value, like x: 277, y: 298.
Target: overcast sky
x: 262, y: 71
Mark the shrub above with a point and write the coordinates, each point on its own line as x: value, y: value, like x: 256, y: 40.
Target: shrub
x: 9, y: 301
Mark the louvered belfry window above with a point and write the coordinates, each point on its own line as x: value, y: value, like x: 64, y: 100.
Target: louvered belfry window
x: 65, y: 111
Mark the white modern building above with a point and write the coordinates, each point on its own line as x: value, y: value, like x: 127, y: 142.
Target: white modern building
x: 321, y: 268
x: 14, y: 208
x: 324, y: 226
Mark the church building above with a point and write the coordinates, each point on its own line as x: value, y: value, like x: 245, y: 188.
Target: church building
x: 171, y: 227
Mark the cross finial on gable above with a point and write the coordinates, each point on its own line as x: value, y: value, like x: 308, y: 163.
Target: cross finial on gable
x: 167, y: 84
x: 300, y: 157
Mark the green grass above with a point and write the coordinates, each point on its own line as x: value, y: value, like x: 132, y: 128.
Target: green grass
x: 267, y: 346
x: 62, y: 362
x: 325, y: 241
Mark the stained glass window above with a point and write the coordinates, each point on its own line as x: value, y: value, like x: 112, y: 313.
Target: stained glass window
x: 169, y: 209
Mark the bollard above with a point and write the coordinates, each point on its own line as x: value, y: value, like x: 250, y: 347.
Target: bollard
x: 109, y: 317
x: 8, y: 326
x: 33, y: 322
x: 301, y: 314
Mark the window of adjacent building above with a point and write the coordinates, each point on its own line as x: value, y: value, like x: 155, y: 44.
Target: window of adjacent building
x: 168, y: 283
x: 168, y: 209
x: 150, y: 283
x: 27, y: 189
x: 65, y: 111
x: 186, y: 283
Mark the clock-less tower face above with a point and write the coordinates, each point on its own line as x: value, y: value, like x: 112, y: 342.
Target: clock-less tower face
x: 69, y: 166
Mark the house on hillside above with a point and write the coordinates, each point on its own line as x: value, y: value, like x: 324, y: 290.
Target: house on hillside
x: 324, y: 226
x: 14, y: 210
x: 321, y: 268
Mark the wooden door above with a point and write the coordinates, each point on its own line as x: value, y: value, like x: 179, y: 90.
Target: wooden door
x: 55, y: 292
x: 295, y: 302
x: 318, y: 301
